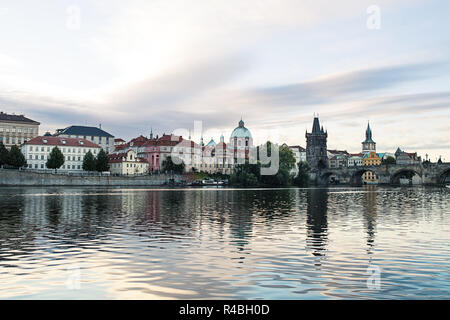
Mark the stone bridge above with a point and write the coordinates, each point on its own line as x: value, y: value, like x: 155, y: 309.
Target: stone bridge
x: 429, y: 174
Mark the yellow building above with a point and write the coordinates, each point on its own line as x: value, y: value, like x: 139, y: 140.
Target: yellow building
x: 127, y: 163
x: 371, y: 159
x: 17, y: 129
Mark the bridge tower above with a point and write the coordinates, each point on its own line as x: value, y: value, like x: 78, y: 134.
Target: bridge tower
x: 316, y: 147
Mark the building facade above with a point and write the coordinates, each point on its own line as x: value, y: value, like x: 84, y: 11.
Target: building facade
x: 355, y: 160
x: 127, y: 163
x: 316, y: 147
x: 37, y: 151
x: 17, y: 129
x: 299, y: 155
x: 402, y: 157
x: 371, y: 159
x: 92, y: 134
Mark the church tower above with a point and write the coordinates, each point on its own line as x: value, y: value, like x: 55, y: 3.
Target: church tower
x: 316, y: 147
x: 368, y: 145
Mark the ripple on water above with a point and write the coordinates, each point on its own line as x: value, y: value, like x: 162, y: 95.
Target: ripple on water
x: 227, y: 243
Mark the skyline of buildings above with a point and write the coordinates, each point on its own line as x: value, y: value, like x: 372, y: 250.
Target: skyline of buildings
x: 211, y: 157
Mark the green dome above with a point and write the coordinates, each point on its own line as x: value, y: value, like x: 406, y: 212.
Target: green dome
x: 241, y: 131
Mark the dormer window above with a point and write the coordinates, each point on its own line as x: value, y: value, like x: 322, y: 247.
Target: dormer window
x: 81, y: 142
x: 44, y: 140
x: 63, y: 141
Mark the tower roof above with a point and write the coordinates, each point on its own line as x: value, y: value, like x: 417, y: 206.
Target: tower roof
x: 316, y: 125
x: 369, y: 134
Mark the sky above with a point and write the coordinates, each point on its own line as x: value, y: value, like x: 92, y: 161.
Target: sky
x: 163, y: 64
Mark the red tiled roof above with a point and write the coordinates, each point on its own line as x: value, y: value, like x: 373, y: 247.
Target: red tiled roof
x: 121, y: 157
x: 119, y: 140
x: 58, y: 141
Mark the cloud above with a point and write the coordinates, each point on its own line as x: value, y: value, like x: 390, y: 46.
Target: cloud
x: 349, y: 85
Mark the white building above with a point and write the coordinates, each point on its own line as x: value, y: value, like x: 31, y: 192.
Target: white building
x: 127, y: 163
x: 355, y: 159
x: 299, y: 155
x: 37, y: 151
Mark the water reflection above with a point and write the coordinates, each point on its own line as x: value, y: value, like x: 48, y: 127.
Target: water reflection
x: 370, y: 216
x: 316, y: 221
x: 223, y: 243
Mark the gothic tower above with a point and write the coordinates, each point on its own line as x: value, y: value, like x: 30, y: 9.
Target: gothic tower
x: 368, y: 145
x: 316, y: 147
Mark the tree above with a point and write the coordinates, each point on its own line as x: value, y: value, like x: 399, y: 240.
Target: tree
x: 55, y: 159
x: 16, y: 157
x: 102, y: 161
x: 89, y: 162
x: 169, y: 166
x: 302, y: 179
x: 389, y: 160
x: 286, y: 164
x: 245, y: 175
x: 3, y: 154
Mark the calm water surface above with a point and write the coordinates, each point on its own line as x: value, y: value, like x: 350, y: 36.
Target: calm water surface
x: 224, y: 243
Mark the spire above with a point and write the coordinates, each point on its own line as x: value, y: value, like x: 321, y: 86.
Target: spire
x: 222, y: 138
x: 316, y: 125
x: 151, y: 133
x: 241, y: 123
x: 368, y: 132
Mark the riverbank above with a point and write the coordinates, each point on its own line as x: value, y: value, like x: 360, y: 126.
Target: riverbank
x: 26, y: 178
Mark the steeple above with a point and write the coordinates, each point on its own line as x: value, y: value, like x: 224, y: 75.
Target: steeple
x: 368, y: 133
x: 151, y: 133
x: 241, y: 123
x: 316, y: 125
x: 368, y: 145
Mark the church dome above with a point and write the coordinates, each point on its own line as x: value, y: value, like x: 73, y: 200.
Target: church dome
x: 241, y: 131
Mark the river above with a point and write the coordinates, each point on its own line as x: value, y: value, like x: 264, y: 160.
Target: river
x: 223, y: 243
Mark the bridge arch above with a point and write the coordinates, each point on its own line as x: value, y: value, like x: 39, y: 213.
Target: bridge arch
x: 357, y: 177
x: 324, y: 178
x: 443, y: 176
x: 406, y: 173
